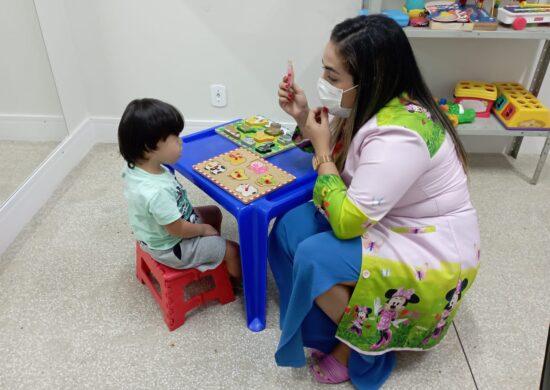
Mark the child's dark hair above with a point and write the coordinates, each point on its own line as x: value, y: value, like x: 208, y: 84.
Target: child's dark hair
x: 144, y: 123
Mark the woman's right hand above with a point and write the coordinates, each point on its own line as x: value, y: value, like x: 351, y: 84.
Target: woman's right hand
x: 293, y: 101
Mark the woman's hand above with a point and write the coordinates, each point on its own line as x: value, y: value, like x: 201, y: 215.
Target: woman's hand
x: 317, y: 130
x: 293, y: 101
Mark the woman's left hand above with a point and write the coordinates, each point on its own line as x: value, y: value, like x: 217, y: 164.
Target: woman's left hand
x: 317, y: 130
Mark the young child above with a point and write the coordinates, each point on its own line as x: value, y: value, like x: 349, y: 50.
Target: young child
x: 162, y: 218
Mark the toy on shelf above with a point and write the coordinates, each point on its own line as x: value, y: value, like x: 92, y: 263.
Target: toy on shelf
x: 259, y: 135
x: 457, y: 113
x: 477, y: 95
x: 448, y: 15
x: 400, y: 17
x: 446, y: 11
x: 414, y: 8
x: 519, y: 15
x: 481, y: 19
x: 420, y: 21
x: 517, y: 108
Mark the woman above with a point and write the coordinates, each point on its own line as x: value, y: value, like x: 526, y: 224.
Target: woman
x: 382, y: 258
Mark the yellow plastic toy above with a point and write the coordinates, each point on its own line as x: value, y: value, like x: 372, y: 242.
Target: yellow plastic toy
x: 256, y: 121
x: 477, y: 95
x: 262, y: 137
x: 414, y: 8
x: 517, y: 108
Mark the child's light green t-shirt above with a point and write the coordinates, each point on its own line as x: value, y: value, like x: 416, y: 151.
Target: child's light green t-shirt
x: 154, y: 201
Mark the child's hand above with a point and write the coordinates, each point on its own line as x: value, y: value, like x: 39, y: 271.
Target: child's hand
x: 293, y: 101
x: 208, y: 230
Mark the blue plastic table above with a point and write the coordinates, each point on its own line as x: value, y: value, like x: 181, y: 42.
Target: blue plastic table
x: 253, y: 218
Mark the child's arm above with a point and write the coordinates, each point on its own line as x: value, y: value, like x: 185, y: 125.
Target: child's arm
x: 163, y: 207
x: 184, y: 229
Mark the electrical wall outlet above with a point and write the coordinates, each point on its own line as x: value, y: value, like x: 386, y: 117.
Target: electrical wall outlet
x: 218, y: 97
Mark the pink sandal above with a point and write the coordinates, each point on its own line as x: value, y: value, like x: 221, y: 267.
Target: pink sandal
x: 316, y: 354
x: 329, y: 370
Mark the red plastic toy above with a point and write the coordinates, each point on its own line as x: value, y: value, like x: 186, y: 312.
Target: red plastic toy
x: 172, y: 282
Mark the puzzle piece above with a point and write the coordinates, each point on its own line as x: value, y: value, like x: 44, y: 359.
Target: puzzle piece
x: 284, y: 139
x: 214, y: 167
x: 246, y: 128
x: 258, y: 167
x: 274, y: 129
x: 266, y: 180
x: 235, y: 158
x: 265, y: 148
x: 262, y: 137
x: 246, y: 190
x: 249, y: 141
x: 256, y: 121
x: 239, y: 174
x: 232, y: 132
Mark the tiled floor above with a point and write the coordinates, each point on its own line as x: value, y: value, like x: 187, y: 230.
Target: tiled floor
x: 72, y: 314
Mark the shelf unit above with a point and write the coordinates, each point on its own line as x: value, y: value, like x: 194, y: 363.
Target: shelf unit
x: 502, y: 32
x: 491, y: 126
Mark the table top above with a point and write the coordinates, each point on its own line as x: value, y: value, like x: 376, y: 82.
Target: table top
x: 206, y: 144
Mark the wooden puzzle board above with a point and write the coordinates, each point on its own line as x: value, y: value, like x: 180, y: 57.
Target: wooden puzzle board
x: 243, y: 174
x: 251, y: 134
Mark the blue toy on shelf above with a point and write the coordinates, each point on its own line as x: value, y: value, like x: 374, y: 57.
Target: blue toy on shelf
x: 399, y: 16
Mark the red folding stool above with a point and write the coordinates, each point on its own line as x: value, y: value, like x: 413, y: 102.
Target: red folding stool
x: 173, y: 282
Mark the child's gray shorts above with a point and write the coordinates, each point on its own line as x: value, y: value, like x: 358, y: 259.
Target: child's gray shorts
x: 202, y: 253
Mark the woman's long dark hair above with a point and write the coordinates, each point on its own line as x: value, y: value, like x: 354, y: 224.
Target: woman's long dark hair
x: 378, y: 55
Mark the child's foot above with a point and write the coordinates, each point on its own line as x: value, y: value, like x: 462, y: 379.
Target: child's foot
x: 329, y: 370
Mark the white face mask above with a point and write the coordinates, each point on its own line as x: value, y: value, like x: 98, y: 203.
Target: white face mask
x: 331, y: 98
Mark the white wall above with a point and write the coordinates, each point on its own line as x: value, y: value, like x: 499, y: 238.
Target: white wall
x: 26, y: 83
x: 174, y: 49
x: 66, y: 68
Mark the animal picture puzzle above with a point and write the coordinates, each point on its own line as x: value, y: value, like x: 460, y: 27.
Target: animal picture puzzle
x: 259, y: 135
x: 243, y: 174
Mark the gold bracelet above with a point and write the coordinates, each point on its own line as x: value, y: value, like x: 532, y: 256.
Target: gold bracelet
x: 318, y: 160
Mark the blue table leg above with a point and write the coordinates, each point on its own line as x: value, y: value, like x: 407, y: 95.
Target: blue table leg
x: 253, y: 225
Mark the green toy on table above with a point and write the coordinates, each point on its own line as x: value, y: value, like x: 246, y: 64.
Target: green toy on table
x: 259, y: 135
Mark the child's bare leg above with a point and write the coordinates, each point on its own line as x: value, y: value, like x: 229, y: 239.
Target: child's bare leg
x: 210, y: 215
x: 233, y: 259
x: 213, y: 216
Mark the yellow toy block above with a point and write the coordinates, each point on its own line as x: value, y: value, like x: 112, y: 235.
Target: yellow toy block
x: 476, y: 89
x: 256, y: 121
x: 262, y: 137
x: 518, y: 108
x: 476, y: 95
